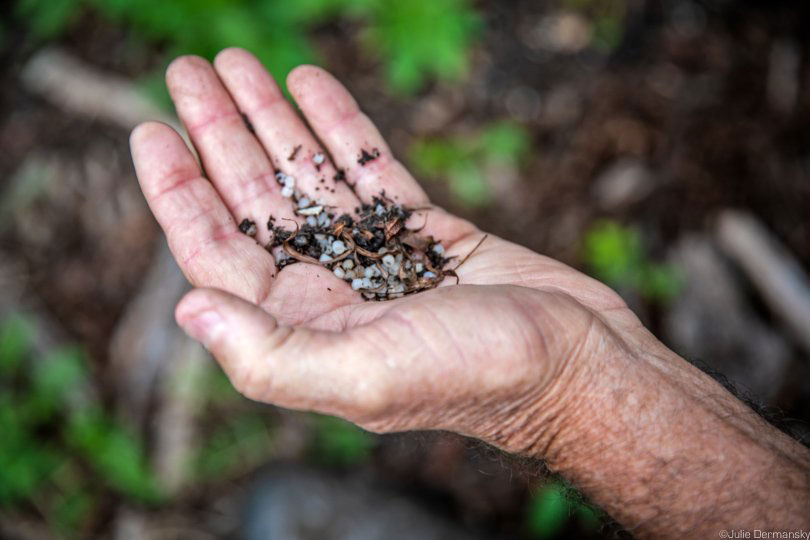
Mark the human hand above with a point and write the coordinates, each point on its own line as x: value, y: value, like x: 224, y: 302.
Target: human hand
x: 495, y: 357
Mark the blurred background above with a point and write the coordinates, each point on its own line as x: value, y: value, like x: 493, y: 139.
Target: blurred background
x: 660, y: 146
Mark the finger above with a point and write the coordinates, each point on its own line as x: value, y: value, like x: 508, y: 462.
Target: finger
x: 287, y: 140
x: 337, y: 120
x: 202, y: 234
x: 298, y: 368
x: 232, y: 157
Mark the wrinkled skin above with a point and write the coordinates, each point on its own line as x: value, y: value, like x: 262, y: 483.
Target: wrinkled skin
x: 494, y: 357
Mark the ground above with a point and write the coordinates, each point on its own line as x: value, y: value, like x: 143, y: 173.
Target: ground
x: 700, y: 108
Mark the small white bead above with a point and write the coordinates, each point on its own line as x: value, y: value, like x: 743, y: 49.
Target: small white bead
x: 338, y: 247
x: 419, y: 267
x: 429, y: 275
x: 339, y: 272
x: 348, y: 264
x: 287, y: 192
x: 289, y: 181
x: 318, y: 158
x: 311, y: 221
x: 389, y: 260
x: 438, y: 249
x: 303, y: 202
x: 311, y: 211
x: 324, y: 258
x: 357, y: 284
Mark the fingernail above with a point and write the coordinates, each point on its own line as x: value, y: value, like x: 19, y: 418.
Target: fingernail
x: 205, y: 327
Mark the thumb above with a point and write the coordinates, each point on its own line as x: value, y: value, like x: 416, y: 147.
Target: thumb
x: 301, y: 368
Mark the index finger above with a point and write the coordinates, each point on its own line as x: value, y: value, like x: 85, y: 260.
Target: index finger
x: 202, y: 234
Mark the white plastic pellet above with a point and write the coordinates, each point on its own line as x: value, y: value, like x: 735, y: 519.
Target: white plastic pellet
x: 311, y: 211
x: 339, y: 272
x: 429, y: 275
x: 348, y: 264
x: 287, y: 191
x: 357, y: 284
x: 389, y: 260
x: 289, y: 181
x: 438, y: 249
x: 338, y: 247
x: 318, y: 158
x: 324, y: 258
x: 311, y: 221
x: 419, y: 267
x: 303, y: 202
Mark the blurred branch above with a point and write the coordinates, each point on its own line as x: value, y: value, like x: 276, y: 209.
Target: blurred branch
x: 154, y: 360
x: 79, y: 88
x: 771, y: 268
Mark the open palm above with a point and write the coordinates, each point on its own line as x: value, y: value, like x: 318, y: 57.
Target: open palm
x: 301, y: 337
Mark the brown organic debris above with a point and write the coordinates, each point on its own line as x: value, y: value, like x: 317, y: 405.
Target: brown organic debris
x: 371, y: 250
x: 366, y: 156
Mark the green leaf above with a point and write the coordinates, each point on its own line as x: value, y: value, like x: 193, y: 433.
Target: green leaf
x: 423, y: 38
x: 15, y: 336
x: 436, y: 157
x: 338, y: 442
x: 47, y: 18
x: 614, y: 253
x: 71, y: 509
x: 114, y: 453
x: 548, y: 511
x: 506, y: 141
x: 468, y: 184
x: 660, y: 283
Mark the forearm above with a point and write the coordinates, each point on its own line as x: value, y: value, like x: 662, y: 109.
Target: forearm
x: 669, y: 452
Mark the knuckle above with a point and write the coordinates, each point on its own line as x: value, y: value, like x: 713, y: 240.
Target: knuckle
x: 375, y: 398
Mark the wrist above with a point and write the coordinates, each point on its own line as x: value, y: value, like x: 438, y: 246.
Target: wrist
x: 645, y: 435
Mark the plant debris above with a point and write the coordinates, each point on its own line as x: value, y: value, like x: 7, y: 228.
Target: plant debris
x: 248, y: 227
x: 373, y: 251
x: 365, y: 156
x: 294, y: 153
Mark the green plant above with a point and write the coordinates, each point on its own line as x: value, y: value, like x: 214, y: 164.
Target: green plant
x: 616, y: 255
x: 422, y: 38
x: 553, y: 506
x: 462, y: 160
x: 62, y: 453
x: 337, y: 442
x: 240, y: 437
x: 415, y: 40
